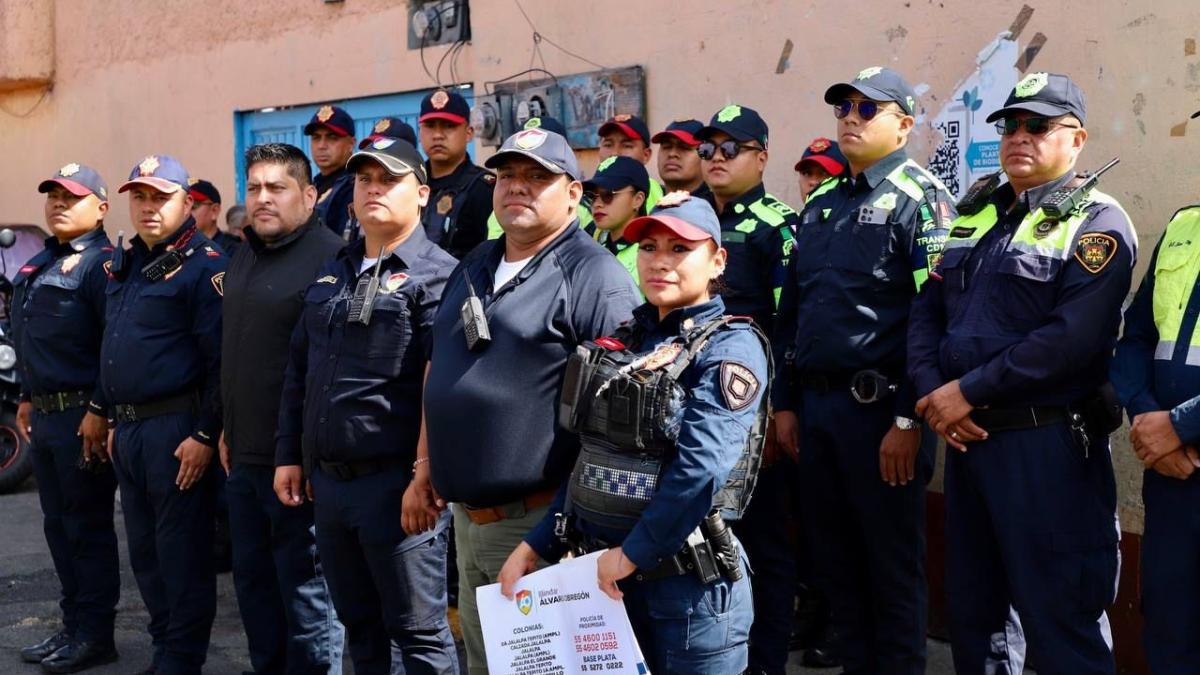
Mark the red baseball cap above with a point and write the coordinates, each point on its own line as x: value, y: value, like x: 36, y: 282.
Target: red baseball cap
x: 684, y: 130
x: 826, y: 154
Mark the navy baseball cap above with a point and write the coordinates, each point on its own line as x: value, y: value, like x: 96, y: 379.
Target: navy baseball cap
x: 396, y: 155
x: 741, y: 123
x: 333, y: 118
x: 826, y: 154
x: 390, y: 127
x: 878, y: 84
x: 631, y: 126
x: 160, y: 172
x: 203, y: 191
x: 618, y: 172
x: 684, y: 130
x: 547, y: 148
x: 547, y: 123
x: 689, y: 217
x: 77, y: 179
x: 1048, y: 94
x: 444, y: 104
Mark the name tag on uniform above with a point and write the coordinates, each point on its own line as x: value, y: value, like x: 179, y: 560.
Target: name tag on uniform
x: 869, y: 215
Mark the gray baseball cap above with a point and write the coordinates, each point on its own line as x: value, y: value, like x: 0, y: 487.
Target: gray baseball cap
x: 547, y: 148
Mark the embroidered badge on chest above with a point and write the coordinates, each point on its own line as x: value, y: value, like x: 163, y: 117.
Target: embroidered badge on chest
x: 70, y: 262
x: 394, y: 282
x: 1044, y: 228
x: 445, y: 204
x: 663, y: 356
x: 738, y: 385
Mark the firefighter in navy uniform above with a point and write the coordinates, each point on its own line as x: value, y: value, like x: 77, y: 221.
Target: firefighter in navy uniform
x: 656, y: 492
x: 331, y: 142
x: 460, y: 199
x: 1009, y: 347
x: 57, y: 324
x: 160, y: 369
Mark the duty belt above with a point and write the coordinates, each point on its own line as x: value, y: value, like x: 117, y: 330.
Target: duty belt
x: 59, y: 402
x: 1011, y: 419
x: 358, y: 469
x: 866, y: 386
x: 134, y: 412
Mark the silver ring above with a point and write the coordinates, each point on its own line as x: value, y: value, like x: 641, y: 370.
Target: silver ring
x: 954, y: 435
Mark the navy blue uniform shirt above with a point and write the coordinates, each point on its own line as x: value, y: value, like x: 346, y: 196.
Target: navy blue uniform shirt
x: 335, y: 197
x: 1019, y: 329
x: 459, y: 206
x: 163, y: 338
x: 757, y: 230
x: 712, y: 436
x: 58, y: 317
x: 492, y: 416
x: 353, y: 392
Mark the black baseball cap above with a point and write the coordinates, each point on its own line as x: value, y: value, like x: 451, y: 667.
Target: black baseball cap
x: 689, y: 217
x: 878, y: 84
x: 445, y: 104
x: 1048, y: 94
x: 631, y: 126
x: 1196, y: 114
x: 161, y: 172
x: 390, y: 127
x: 333, y: 118
x: 826, y: 154
x: 77, y: 179
x: 547, y: 148
x: 741, y: 123
x: 203, y: 191
x: 684, y: 130
x: 618, y: 172
x: 546, y: 122
x: 396, y: 155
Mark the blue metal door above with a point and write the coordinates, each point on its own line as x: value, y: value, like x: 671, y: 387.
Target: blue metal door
x: 286, y: 125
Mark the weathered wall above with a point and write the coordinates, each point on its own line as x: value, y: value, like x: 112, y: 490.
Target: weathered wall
x: 134, y: 77
x: 26, y: 43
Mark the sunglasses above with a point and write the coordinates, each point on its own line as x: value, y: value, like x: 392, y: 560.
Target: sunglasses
x: 603, y: 196
x: 1036, y: 126
x: 867, y: 109
x: 729, y: 149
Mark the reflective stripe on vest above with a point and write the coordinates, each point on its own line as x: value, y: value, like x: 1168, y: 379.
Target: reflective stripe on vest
x: 1175, y: 275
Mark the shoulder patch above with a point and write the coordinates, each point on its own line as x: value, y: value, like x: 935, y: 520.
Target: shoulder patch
x: 779, y: 207
x: 324, y: 195
x: 108, y: 268
x: 489, y: 178
x: 1094, y: 251
x: 738, y: 385
x: 327, y: 279
x: 218, y: 282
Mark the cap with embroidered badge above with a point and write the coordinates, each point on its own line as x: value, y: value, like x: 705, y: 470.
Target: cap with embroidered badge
x: 390, y: 127
x: 684, y: 130
x: 630, y: 126
x: 618, y: 172
x: 161, y: 172
x: 739, y: 122
x: 1048, y: 94
x: 333, y: 118
x: 878, y: 84
x: 445, y: 104
x: 547, y: 148
x: 688, y: 216
x: 825, y: 154
x: 396, y: 155
x: 546, y: 122
x: 77, y: 179
x: 203, y: 191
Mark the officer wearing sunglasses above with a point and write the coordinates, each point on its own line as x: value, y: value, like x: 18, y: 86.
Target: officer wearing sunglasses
x: 1009, y: 348
x: 864, y: 247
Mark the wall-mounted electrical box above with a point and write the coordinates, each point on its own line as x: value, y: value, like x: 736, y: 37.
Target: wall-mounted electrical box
x: 437, y: 22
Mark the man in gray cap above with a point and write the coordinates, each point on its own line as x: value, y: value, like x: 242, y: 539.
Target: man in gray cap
x: 510, y: 315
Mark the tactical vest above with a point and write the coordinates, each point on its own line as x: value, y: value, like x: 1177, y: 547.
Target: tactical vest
x: 1175, y: 274
x: 627, y: 409
x: 447, y: 223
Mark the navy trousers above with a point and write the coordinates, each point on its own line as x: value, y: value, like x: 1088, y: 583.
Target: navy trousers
x: 868, y: 537
x: 291, y: 627
x: 77, y: 517
x: 1170, y: 562
x: 170, y: 533
x: 1031, y: 526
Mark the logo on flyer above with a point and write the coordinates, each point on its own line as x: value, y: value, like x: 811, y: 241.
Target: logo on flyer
x: 525, y: 602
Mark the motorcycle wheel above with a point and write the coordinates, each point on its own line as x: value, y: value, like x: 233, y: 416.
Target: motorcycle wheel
x: 16, y: 462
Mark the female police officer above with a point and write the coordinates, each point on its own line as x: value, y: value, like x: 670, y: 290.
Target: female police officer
x: 654, y: 479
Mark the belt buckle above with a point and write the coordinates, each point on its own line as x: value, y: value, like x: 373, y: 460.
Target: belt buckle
x: 869, y: 386
x: 126, y: 411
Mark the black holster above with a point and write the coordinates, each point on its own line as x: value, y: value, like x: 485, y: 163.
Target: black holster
x: 724, y: 547
x: 1102, y: 410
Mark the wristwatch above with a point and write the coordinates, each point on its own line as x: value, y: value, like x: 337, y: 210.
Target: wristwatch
x: 905, y: 424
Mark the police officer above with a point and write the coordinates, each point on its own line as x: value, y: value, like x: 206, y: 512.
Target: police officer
x: 628, y: 136
x: 583, y: 213
x: 206, y: 210
x: 160, y: 367
x: 460, y: 199
x: 618, y: 195
x: 351, y: 414
x: 863, y: 249
x: 687, y: 618
x: 387, y: 127
x: 678, y: 163
x: 331, y: 141
x: 821, y: 161
x: 1009, y: 349
x: 57, y: 324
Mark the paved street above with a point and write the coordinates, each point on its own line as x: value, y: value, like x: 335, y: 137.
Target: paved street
x: 29, y: 603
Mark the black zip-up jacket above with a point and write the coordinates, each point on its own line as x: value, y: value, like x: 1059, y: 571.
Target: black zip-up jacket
x: 264, y: 295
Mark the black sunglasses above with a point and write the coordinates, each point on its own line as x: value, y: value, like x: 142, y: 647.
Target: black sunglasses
x: 603, y: 196
x: 729, y: 149
x: 1036, y: 126
x: 867, y: 109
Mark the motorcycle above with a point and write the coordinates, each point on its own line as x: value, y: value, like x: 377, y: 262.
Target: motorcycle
x: 16, y: 462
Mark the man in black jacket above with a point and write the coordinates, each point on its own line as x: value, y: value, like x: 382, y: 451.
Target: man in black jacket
x: 285, y: 605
